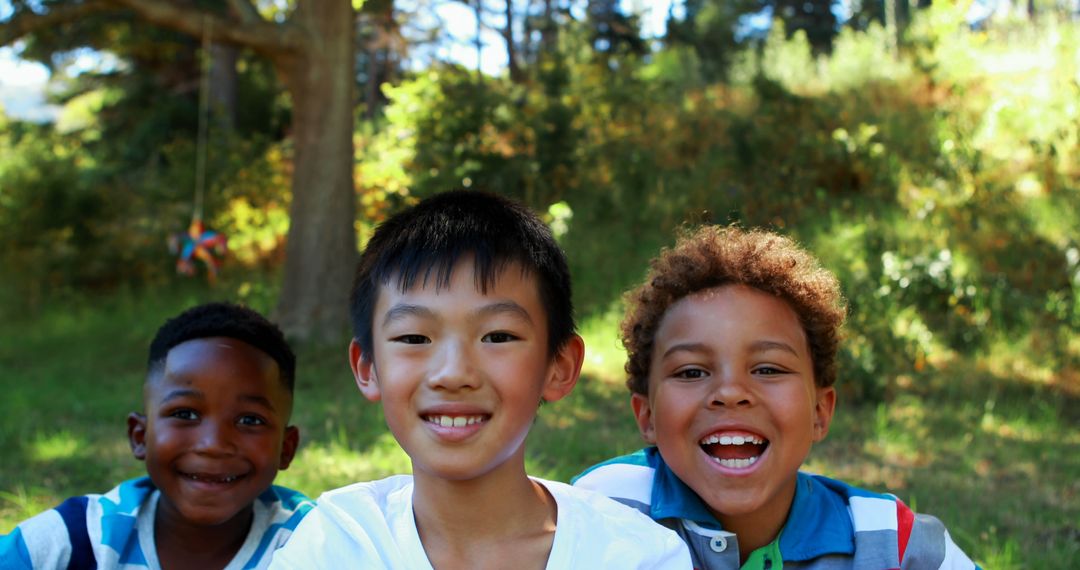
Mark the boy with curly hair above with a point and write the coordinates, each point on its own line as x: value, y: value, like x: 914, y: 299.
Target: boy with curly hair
x: 732, y: 343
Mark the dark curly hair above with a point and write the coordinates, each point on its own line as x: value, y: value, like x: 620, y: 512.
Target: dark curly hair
x: 224, y: 320
x: 713, y: 256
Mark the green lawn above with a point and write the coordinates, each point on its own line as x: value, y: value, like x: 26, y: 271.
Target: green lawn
x: 990, y: 447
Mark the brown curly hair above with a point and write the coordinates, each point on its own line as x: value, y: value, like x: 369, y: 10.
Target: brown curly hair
x: 713, y: 256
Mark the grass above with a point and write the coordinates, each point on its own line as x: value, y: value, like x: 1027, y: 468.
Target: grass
x: 994, y: 454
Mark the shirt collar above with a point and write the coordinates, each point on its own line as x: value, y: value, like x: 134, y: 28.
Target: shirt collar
x: 671, y: 498
x: 817, y: 524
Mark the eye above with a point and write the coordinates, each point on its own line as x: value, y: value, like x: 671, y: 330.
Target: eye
x: 411, y: 339
x: 184, y: 414
x: 498, y: 337
x: 690, y: 374
x: 769, y: 371
x: 251, y: 420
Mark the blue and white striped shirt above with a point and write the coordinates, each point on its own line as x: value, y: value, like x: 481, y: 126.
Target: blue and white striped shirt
x: 116, y: 531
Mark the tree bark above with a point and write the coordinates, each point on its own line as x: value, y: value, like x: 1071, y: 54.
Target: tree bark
x: 320, y: 255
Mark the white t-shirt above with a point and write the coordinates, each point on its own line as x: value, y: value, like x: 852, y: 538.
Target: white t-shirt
x: 371, y: 525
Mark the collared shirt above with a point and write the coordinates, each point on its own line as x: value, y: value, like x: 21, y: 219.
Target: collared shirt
x: 830, y: 524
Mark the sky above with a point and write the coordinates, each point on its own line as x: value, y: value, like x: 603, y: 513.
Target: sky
x: 23, y: 83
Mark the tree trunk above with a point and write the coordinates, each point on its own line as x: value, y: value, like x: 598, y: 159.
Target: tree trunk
x: 320, y: 255
x: 512, y: 64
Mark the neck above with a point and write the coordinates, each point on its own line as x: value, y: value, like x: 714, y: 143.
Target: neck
x: 183, y: 544
x: 760, y: 527
x: 500, y: 506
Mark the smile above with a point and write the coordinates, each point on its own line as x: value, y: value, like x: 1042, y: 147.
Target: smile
x: 734, y: 450
x: 208, y: 478
x: 454, y: 421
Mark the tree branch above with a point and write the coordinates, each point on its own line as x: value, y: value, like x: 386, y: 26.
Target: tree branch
x: 262, y: 36
x: 245, y: 11
x: 25, y: 23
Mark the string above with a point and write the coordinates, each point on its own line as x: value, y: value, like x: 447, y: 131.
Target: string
x: 204, y: 105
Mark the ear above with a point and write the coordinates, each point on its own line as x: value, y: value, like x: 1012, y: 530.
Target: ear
x: 288, y: 447
x: 564, y: 370
x: 823, y: 411
x: 136, y: 427
x: 363, y: 368
x: 643, y: 415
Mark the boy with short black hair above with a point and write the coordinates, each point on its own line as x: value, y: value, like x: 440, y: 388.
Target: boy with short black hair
x: 462, y: 326
x: 218, y: 395
x: 731, y: 344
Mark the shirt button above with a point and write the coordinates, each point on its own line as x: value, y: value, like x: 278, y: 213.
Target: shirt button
x: 718, y: 544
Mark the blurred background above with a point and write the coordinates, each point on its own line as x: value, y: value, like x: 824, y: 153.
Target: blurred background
x: 927, y: 151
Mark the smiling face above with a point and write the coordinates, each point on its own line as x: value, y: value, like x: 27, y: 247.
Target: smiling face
x: 460, y: 372
x: 732, y: 404
x: 215, y: 432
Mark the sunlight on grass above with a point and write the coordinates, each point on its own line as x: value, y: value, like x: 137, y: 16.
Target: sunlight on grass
x: 60, y: 445
x: 1013, y: 358
x: 1040, y: 425
x: 900, y: 433
x: 20, y: 504
x: 323, y: 466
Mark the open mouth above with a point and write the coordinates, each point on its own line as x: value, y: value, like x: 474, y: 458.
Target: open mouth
x: 455, y: 421
x: 734, y: 450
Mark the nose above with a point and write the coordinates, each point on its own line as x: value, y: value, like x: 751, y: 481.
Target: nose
x: 731, y: 389
x: 214, y: 438
x: 452, y: 368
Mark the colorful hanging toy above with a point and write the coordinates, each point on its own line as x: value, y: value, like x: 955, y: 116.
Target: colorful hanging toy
x: 200, y: 243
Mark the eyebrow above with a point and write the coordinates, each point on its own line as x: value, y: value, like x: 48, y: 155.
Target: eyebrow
x: 260, y: 400
x: 402, y: 310
x: 505, y: 307
x: 182, y: 393
x: 758, y: 346
x: 685, y: 347
x: 767, y: 345
x: 189, y: 393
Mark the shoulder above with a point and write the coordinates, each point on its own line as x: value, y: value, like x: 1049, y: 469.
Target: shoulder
x: 356, y: 522
x: 617, y: 535
x: 627, y: 479
x: 71, y: 532
x: 369, y: 507
x: 883, y: 522
x: 285, y: 506
x: 368, y: 495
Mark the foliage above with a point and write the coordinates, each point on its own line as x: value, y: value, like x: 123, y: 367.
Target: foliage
x: 937, y: 179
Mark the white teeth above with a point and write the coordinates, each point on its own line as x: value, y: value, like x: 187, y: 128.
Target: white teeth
x: 454, y: 421
x: 732, y: 440
x: 737, y: 463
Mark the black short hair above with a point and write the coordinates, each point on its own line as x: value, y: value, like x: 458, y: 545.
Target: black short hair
x: 224, y: 320
x: 428, y: 239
